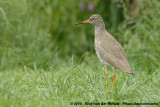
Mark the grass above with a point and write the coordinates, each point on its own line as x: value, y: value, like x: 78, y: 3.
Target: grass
x: 47, y: 61
x: 76, y: 83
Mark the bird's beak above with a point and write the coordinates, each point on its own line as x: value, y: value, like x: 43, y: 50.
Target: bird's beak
x: 86, y: 21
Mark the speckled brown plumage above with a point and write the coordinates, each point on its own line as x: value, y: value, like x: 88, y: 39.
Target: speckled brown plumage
x: 108, y: 49
x: 111, y: 52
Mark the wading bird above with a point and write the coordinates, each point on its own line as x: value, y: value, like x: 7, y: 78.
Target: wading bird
x: 108, y: 49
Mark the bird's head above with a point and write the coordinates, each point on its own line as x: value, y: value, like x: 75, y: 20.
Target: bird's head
x: 95, y: 19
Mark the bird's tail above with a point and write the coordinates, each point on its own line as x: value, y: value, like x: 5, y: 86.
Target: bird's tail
x: 130, y: 72
x: 126, y: 68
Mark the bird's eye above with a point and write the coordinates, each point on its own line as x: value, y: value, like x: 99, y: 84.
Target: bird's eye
x: 92, y: 19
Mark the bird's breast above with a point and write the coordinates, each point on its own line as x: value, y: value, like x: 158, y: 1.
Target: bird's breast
x: 100, y: 53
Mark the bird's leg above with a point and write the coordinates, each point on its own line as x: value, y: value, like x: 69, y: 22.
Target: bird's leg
x: 106, y: 79
x: 114, y: 76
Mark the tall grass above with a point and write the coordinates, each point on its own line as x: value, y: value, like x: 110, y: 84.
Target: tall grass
x: 81, y: 83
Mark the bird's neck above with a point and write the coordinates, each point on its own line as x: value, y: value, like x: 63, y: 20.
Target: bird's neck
x: 99, y: 28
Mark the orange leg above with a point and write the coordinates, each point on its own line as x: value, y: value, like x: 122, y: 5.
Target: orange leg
x: 114, y: 76
x: 106, y: 79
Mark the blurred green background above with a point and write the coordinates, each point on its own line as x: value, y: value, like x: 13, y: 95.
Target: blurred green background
x: 40, y: 35
x: 43, y: 32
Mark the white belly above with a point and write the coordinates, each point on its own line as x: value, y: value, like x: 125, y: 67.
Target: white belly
x: 99, y: 57
x: 97, y: 47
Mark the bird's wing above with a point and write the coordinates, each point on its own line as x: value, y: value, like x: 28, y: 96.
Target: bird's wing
x: 113, y: 47
x: 114, y: 54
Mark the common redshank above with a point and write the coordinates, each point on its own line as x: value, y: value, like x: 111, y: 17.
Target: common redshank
x: 108, y: 49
